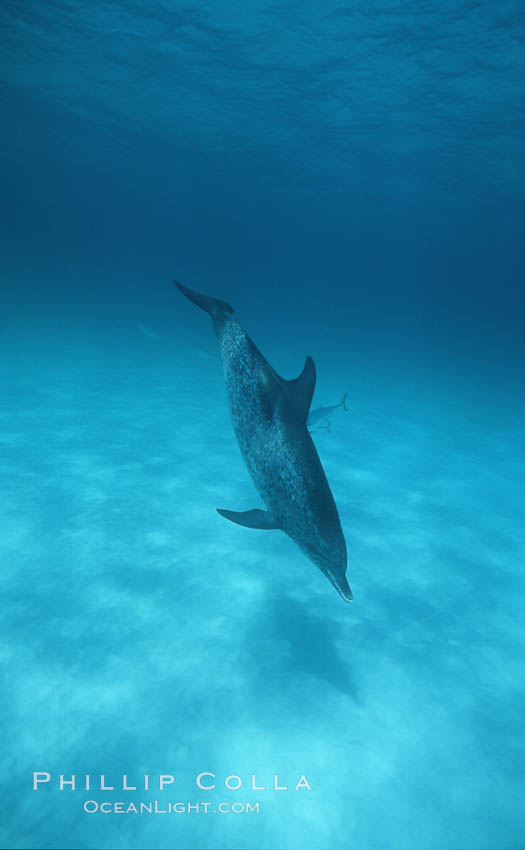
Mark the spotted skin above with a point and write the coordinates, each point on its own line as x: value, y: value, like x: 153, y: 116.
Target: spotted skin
x: 269, y: 421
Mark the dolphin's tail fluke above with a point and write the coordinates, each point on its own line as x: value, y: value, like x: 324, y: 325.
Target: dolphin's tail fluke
x: 343, y: 402
x: 212, y: 305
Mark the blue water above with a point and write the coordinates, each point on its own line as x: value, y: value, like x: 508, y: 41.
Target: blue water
x: 351, y: 177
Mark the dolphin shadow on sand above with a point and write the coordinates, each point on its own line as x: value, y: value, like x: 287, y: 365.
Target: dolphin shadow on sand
x: 308, y: 647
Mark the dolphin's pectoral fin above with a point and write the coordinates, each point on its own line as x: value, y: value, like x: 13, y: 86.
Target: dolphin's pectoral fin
x: 250, y: 519
x: 300, y: 391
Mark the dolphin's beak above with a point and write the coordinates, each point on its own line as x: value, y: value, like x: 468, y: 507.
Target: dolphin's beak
x: 342, y: 587
x: 337, y: 579
x: 345, y: 592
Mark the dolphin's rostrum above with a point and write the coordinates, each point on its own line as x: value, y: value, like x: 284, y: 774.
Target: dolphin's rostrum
x: 269, y: 416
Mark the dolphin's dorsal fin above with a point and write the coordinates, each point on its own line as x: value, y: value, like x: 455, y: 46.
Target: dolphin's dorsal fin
x: 300, y: 391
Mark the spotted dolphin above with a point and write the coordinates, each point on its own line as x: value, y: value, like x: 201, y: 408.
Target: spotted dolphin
x: 321, y: 416
x: 269, y: 416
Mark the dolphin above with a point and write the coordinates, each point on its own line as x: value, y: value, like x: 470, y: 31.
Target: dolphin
x: 148, y: 333
x: 269, y: 416
x: 321, y: 416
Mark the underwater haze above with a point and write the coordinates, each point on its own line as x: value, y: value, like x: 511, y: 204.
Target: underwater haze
x: 350, y: 176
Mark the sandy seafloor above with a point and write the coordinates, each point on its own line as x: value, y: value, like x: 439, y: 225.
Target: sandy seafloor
x: 145, y: 634
x: 350, y: 176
